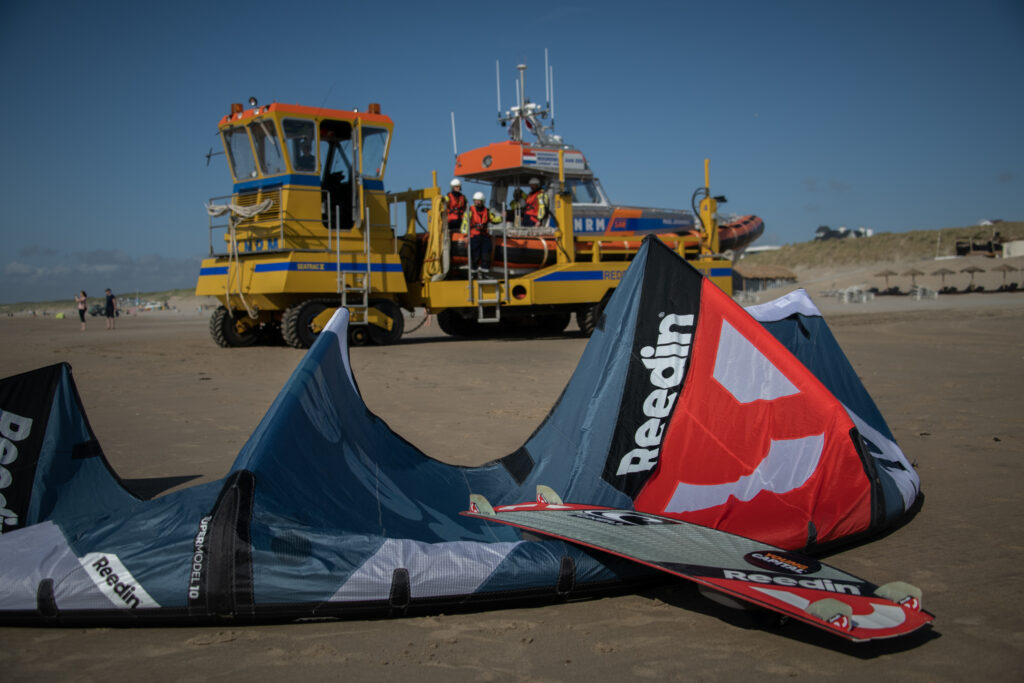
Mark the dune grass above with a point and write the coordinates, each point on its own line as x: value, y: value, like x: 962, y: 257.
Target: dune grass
x: 885, y: 247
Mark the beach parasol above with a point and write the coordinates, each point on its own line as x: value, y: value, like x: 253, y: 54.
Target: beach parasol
x: 886, y: 274
x: 943, y: 272
x: 913, y: 273
x: 972, y: 269
x: 1005, y: 268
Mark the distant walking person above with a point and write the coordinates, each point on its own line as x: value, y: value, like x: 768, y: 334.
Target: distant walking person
x: 110, y: 309
x: 80, y: 299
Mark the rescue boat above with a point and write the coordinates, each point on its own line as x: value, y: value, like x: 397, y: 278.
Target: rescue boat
x: 598, y: 224
x: 525, y: 252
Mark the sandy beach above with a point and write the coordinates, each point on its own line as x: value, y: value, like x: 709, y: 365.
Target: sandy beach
x: 172, y: 409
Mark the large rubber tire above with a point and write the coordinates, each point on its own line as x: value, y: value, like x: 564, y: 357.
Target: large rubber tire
x: 588, y: 317
x: 230, y: 331
x: 453, y: 324
x: 296, y: 325
x: 380, y: 336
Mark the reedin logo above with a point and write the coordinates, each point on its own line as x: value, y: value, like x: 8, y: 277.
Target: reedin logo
x: 116, y: 582
x: 814, y: 584
x: 667, y: 364
x: 195, y: 577
x: 13, y: 428
x: 786, y: 562
x: 622, y: 517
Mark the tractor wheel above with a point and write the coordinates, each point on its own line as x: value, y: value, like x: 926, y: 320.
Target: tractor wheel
x: 297, y: 323
x: 357, y: 335
x: 589, y: 316
x: 380, y: 336
x: 231, y: 331
x: 453, y: 324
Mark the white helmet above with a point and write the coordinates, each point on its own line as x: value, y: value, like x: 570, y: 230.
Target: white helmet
x: 478, y: 196
x: 535, y: 181
x: 456, y: 182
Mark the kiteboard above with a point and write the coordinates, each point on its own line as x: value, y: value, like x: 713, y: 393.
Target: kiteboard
x: 790, y: 583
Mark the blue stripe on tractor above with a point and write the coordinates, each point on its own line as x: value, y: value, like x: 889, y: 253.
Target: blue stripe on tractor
x: 571, y: 275
x: 278, y: 181
x: 323, y: 267
x: 303, y: 180
x: 308, y: 267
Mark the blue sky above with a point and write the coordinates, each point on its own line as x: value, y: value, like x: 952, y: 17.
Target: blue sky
x: 891, y: 115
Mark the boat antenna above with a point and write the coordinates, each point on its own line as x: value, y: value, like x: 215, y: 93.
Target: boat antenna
x: 547, y: 81
x: 551, y: 77
x: 455, y: 147
x: 522, y: 85
x: 497, y: 83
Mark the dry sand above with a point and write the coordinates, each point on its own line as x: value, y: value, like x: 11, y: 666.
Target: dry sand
x: 172, y: 409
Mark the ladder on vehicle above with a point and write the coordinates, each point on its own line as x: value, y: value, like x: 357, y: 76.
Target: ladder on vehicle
x: 354, y: 285
x: 487, y: 292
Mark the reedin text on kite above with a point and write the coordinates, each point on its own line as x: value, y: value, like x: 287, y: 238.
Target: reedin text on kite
x: 12, y: 428
x: 667, y: 363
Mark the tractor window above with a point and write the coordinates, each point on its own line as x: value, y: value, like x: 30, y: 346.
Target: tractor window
x: 268, y: 148
x: 337, y: 155
x: 375, y: 147
x: 300, y: 139
x: 336, y: 159
x: 239, y: 153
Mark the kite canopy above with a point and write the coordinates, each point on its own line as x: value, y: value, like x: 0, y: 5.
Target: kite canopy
x: 682, y: 404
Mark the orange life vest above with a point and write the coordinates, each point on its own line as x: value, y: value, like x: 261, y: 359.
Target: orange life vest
x: 479, y: 219
x: 456, y: 206
x: 533, y: 204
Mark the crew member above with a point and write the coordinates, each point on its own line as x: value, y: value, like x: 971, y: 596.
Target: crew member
x: 456, y: 202
x: 516, y: 206
x: 475, y: 223
x: 536, y: 204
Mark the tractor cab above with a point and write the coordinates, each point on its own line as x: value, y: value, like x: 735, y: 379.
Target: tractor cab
x: 306, y: 169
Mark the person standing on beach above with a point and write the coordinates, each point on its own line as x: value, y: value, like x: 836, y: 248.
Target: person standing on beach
x: 110, y: 309
x: 80, y: 299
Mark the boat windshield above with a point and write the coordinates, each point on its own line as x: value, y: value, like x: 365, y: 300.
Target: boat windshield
x: 300, y: 140
x: 239, y: 152
x: 268, y: 149
x: 585, y: 191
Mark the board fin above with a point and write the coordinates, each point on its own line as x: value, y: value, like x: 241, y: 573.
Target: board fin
x: 546, y: 494
x: 902, y: 593
x: 480, y: 505
x: 833, y: 611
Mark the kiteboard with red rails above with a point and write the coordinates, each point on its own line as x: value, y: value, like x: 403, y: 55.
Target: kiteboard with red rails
x: 787, y: 582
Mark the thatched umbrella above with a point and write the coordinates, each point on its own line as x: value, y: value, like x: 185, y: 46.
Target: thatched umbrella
x: 913, y: 273
x: 943, y: 272
x: 1006, y: 268
x: 886, y: 274
x: 972, y: 269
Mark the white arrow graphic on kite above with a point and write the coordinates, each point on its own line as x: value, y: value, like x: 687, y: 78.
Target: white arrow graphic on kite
x: 746, y: 373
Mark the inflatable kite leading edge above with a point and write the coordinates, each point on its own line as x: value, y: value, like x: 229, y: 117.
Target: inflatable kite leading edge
x: 683, y: 404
